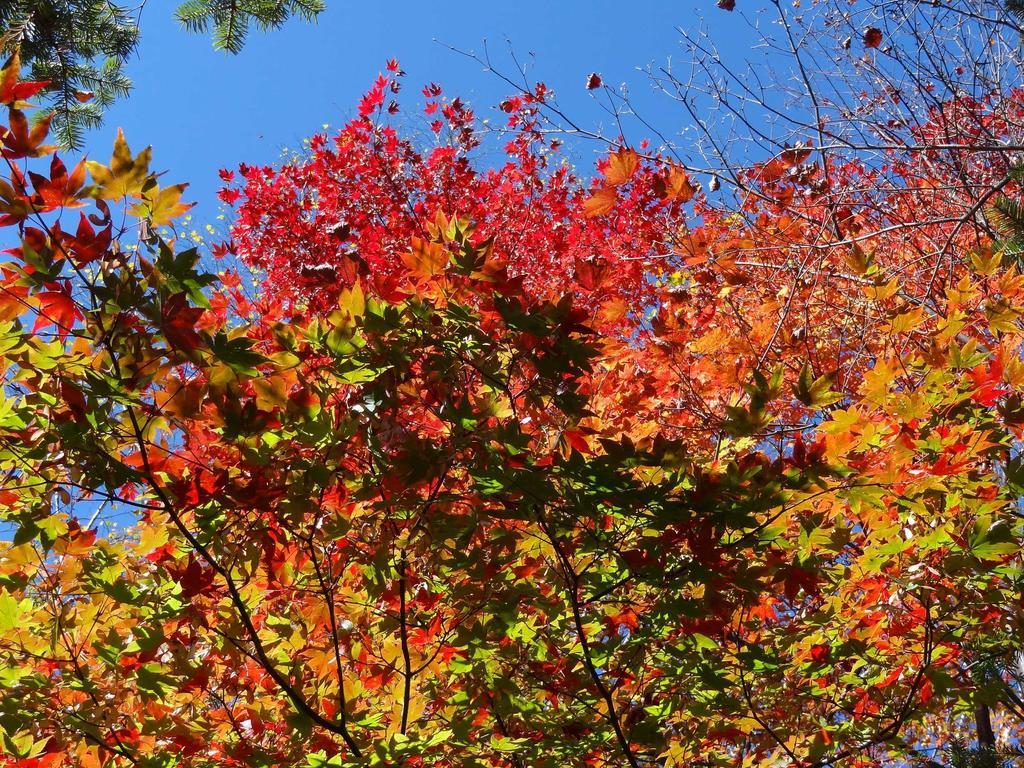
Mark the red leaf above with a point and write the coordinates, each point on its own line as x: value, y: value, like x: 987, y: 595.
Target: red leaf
x: 576, y: 440
x: 73, y: 399
x: 56, y: 308
x: 22, y: 141
x: 872, y: 37
x: 195, y: 579
x: 86, y: 245
x: 987, y: 380
x: 11, y: 90
x: 178, y: 322
x: 61, y: 189
x: 926, y: 690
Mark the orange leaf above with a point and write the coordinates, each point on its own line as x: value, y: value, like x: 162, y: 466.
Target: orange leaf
x: 621, y: 166
x: 601, y: 202
x: 675, y: 185
x: 426, y: 258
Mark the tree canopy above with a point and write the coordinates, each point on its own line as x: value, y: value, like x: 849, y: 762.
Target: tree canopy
x: 442, y: 463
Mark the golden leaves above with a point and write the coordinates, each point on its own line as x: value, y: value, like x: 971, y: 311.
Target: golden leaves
x: 129, y: 176
x: 125, y: 176
x: 426, y: 259
x: 161, y: 206
x: 907, y: 321
x: 882, y: 291
x: 986, y: 263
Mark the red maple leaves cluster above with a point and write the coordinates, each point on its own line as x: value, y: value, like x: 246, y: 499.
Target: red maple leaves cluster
x: 355, y: 202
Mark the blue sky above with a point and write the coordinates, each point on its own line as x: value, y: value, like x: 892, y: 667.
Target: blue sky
x: 203, y: 110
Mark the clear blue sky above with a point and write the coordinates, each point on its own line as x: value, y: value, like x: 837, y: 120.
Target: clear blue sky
x: 203, y: 110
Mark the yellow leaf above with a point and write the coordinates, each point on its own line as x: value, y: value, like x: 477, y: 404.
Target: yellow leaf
x: 878, y: 381
x: 270, y: 393
x: 883, y: 291
x: 907, y: 321
x: 352, y: 300
x: 1002, y: 316
x: 124, y: 176
x: 963, y: 293
x: 353, y: 688
x: 160, y: 206
x: 152, y: 538
x: 986, y: 264
x: 417, y: 706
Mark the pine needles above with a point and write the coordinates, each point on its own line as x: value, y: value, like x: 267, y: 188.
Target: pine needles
x: 82, y: 46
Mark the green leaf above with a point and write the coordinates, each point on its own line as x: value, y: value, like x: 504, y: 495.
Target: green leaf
x: 814, y: 392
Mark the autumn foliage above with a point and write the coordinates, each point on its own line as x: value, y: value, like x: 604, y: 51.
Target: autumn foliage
x: 499, y: 466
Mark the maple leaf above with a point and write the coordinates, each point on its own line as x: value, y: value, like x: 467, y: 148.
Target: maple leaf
x: 178, y: 322
x: 15, y: 204
x: 814, y: 392
x: 426, y: 258
x: 56, y: 308
x: 21, y: 141
x: 820, y: 653
x: 600, y: 202
x: 125, y: 176
x: 161, y: 205
x: 194, y: 578
x: 675, y: 184
x: 794, y: 156
x: 621, y: 166
x: 85, y: 246
x: 594, y: 81
x: 987, y: 380
x: 73, y: 399
x: 13, y: 92
x: 61, y: 189
x: 590, y: 273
